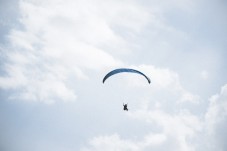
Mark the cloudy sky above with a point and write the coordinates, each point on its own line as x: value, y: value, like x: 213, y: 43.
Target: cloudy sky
x: 54, y: 54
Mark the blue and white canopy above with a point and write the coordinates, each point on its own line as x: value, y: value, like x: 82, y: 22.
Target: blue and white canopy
x: 120, y: 70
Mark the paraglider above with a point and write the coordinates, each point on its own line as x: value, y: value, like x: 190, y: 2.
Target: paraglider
x: 125, y: 107
x: 120, y: 70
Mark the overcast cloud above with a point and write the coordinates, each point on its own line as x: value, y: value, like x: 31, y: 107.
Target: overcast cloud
x: 54, y: 54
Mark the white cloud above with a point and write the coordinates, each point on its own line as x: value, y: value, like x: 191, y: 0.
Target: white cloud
x: 217, y: 110
x: 59, y: 40
x: 216, y: 120
x: 74, y: 36
x: 165, y: 80
x: 179, y: 128
x: 115, y: 142
x: 176, y: 132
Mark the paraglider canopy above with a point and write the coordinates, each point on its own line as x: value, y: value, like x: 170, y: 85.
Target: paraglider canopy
x: 120, y: 70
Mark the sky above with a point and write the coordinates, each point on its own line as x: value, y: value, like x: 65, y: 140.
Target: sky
x: 55, y: 53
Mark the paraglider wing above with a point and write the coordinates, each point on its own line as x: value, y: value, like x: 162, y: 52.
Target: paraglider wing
x: 120, y: 70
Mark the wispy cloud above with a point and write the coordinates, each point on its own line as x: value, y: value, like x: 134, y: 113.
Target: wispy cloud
x: 61, y: 39
x: 53, y: 46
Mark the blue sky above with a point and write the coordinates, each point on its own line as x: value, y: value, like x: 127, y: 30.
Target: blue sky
x: 54, y: 54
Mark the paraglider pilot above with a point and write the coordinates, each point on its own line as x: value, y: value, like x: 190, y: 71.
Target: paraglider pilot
x: 125, y: 107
